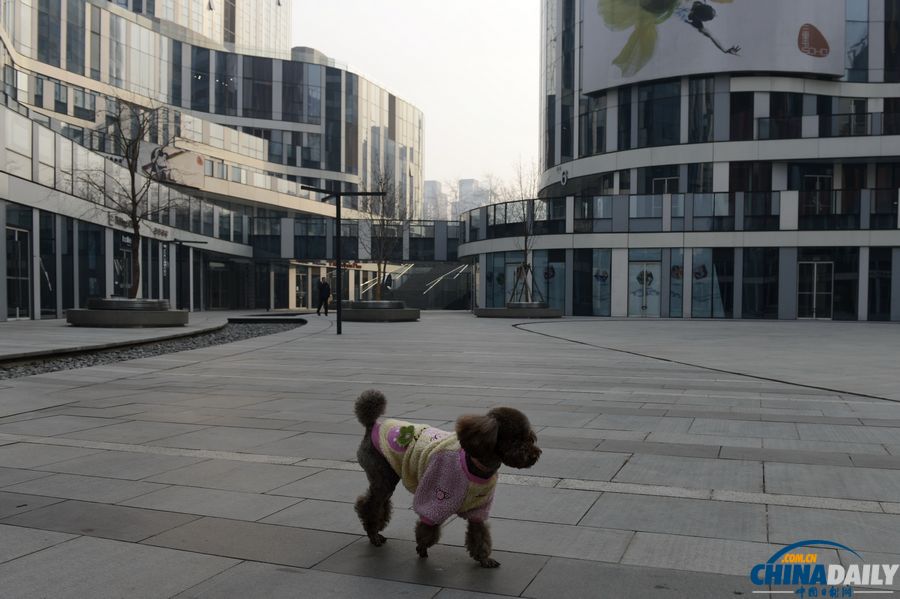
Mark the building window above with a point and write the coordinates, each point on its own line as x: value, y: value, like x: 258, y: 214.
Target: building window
x: 760, y: 285
x: 592, y: 286
x: 116, y: 50
x: 741, y: 116
x: 75, y: 36
x: 48, y: 30
x: 39, y: 91
x: 95, y: 43
x: 676, y: 284
x: 701, y: 109
x: 84, y: 104
x: 624, y: 124
x: 880, y: 264
x: 226, y: 83
x: 257, y: 87
x: 856, y: 52
x: 659, y: 114
x: 175, y: 76
x: 200, y: 79
x: 713, y: 283
x: 61, y: 98
x: 292, y: 91
x: 785, y: 119
x: 592, y: 139
x: 892, y: 41
x: 333, y: 121
x: 229, y: 21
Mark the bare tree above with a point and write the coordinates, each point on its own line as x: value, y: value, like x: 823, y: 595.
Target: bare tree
x: 129, y: 132
x: 386, y: 217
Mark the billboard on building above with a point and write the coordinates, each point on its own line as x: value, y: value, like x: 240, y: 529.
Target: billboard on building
x: 637, y: 40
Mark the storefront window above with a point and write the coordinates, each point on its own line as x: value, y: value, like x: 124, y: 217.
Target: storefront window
x: 713, y: 283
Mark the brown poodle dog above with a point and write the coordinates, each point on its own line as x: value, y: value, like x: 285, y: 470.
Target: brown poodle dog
x: 448, y: 473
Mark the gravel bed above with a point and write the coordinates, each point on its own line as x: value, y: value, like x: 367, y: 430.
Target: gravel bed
x: 228, y: 334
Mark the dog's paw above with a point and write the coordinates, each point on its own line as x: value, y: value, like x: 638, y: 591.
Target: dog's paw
x: 377, y: 540
x: 422, y: 551
x: 489, y: 563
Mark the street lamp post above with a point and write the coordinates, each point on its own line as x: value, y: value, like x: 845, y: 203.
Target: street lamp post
x: 338, y: 200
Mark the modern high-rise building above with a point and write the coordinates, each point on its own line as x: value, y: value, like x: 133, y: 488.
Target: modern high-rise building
x: 703, y: 159
x: 437, y: 203
x: 240, y: 122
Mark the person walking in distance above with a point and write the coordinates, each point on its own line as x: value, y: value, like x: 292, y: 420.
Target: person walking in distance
x: 324, y: 294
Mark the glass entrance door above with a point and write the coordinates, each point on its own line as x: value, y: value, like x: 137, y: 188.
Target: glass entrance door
x: 644, y: 289
x: 18, y: 274
x: 815, y: 290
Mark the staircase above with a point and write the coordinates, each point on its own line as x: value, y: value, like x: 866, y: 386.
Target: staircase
x: 433, y: 286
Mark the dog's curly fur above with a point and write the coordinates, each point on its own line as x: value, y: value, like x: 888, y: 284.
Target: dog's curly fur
x: 502, y: 436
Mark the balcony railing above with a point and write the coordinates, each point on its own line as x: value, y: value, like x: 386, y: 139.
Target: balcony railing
x: 829, y: 210
x: 883, y: 209
x: 780, y: 127
x: 762, y: 210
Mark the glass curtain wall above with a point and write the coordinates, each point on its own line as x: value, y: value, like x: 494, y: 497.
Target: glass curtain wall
x: 713, y: 283
x: 760, y: 284
x: 592, y: 287
x: 880, y: 264
x: 659, y: 114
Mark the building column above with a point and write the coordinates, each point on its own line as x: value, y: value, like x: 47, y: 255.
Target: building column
x: 895, y: 284
x: 351, y: 283
x: 570, y: 213
x: 787, y: 283
x: 108, y: 257
x: 190, y: 279
x: 687, y: 283
x: 35, y: 238
x: 58, y: 229
x: 570, y: 280
x: 4, y: 308
x: 738, y: 287
x: 173, y: 275
x: 76, y: 267
x: 862, y: 305
x: 292, y: 287
x: 619, y: 259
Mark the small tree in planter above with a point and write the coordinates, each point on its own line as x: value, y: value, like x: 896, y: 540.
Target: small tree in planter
x: 386, y: 217
x: 126, y: 193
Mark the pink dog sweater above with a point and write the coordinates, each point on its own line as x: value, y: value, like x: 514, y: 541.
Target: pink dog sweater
x: 432, y: 466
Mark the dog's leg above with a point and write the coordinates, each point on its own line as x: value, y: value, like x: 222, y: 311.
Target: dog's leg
x: 426, y: 536
x: 374, y: 508
x: 478, y: 544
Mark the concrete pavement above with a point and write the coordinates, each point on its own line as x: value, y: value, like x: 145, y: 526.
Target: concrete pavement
x: 230, y: 471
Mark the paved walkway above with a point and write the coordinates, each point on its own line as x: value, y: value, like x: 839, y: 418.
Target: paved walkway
x: 27, y: 338
x: 229, y: 471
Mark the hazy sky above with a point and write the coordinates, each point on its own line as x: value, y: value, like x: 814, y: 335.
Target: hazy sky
x: 471, y: 66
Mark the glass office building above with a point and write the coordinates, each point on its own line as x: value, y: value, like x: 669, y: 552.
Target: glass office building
x: 245, y: 122
x: 711, y: 160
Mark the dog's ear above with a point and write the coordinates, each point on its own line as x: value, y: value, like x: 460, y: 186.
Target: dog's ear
x: 477, y: 434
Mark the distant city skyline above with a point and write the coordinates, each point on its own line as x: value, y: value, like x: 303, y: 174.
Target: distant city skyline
x: 471, y: 67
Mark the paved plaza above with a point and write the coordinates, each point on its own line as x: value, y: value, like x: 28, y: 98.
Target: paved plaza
x: 677, y: 455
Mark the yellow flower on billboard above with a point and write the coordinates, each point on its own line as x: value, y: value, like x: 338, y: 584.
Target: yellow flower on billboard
x: 644, y: 16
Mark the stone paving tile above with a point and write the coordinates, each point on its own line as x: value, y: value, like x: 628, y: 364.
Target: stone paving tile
x: 250, y: 579
x: 445, y: 567
x: 825, y: 446
x: 552, y: 442
x: 699, y: 554
x: 849, y: 434
x: 14, y: 476
x: 831, y: 481
x: 338, y: 485
x: 744, y: 428
x: 104, y: 569
x: 876, y: 461
x: 315, y: 445
x: 211, y: 502
x: 679, y: 449
x: 862, y: 532
x: 254, y: 541
x: 641, y: 423
x: 14, y: 503
x: 120, y: 464
x: 558, y: 540
x: 22, y: 541
x: 100, y: 520
x: 567, y: 463
x: 576, y: 578
x: 32, y: 455
x: 870, y: 557
x: 793, y: 456
x: 712, y: 440
x: 335, y: 516
x: 136, y: 432
x: 692, y: 473
x: 245, y: 422
x: 234, y: 476
x: 591, y: 433
x: 457, y: 594
x: 559, y: 506
x: 223, y: 438
x: 85, y: 488
x: 54, y: 425
x: 693, y: 517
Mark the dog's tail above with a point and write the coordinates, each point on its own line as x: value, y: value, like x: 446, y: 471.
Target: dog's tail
x: 369, y: 406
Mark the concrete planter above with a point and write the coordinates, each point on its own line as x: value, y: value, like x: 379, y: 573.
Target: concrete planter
x: 378, y: 311
x: 123, y: 312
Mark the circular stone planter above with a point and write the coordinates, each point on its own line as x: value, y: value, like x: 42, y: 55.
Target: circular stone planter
x: 123, y: 312
x: 519, y: 310
x: 526, y: 305
x: 378, y: 311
